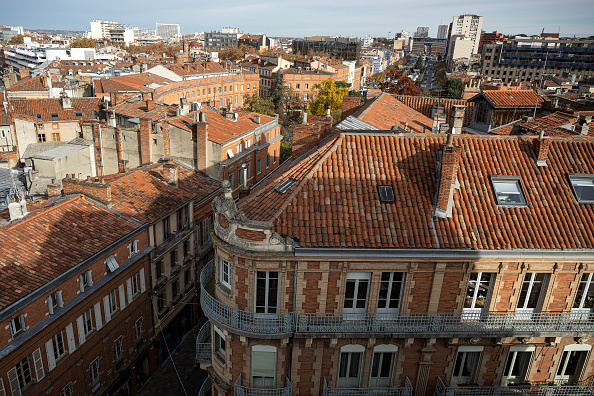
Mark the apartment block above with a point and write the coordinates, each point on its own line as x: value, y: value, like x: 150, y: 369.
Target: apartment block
x: 529, y: 59
x: 469, y: 26
x: 398, y: 263
x: 347, y: 48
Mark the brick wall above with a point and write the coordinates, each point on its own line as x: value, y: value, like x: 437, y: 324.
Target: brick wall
x: 166, y: 142
x: 350, y: 104
x: 91, y: 188
x: 450, y: 289
x: 506, y: 291
x: 305, y: 137
x: 421, y: 292
x: 200, y: 141
x: 251, y: 235
x: 242, y: 285
x: 144, y: 137
x: 325, y: 123
x: 562, y: 291
x: 449, y: 170
x: 311, y: 291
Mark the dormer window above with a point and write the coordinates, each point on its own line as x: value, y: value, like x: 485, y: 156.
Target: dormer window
x: 508, y: 190
x: 386, y: 193
x: 583, y: 187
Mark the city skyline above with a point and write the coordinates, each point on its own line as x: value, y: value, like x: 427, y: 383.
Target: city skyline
x: 350, y: 20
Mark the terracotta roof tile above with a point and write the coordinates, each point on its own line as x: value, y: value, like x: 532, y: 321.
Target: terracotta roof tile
x: 136, y: 108
x: 47, y: 107
x: 385, y: 111
x: 28, y: 84
x: 424, y: 105
x: 513, y: 98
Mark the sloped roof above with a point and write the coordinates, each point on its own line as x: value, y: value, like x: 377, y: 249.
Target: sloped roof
x: 335, y: 202
x: 424, y: 105
x: 28, y: 84
x: 136, y: 108
x: 47, y: 107
x: 512, y: 98
x: 53, y: 238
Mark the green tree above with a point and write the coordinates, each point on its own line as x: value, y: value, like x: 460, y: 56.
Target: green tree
x: 343, y: 84
x: 278, y: 92
x: 454, y: 88
x: 257, y: 104
x: 419, y: 64
x: 83, y: 43
x: 328, y: 93
x: 18, y: 39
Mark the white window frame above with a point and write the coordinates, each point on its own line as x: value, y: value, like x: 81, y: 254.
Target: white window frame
x: 266, y: 309
x: 513, y: 355
x: 391, y: 284
x: 263, y: 349
x: 87, y: 321
x: 54, y: 301
x: 573, y: 348
x: 586, y: 180
x: 225, y: 272
x: 94, y: 371
x: 117, y: 348
x: 384, y: 349
x: 67, y: 390
x: 220, y: 349
x: 133, y: 248
x: 350, y: 349
x: 135, y: 284
x: 589, y: 283
x: 55, y: 345
x: 479, y: 280
x: 495, y: 179
x: 531, y: 283
x: 85, y: 280
x: 138, y: 328
x: 112, y: 263
x: 20, y: 319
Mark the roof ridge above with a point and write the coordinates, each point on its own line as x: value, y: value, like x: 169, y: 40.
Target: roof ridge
x: 43, y: 212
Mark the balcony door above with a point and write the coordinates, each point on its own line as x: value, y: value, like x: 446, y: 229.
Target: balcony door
x: 571, y: 364
x: 356, y: 294
x: 530, y: 295
x: 263, y: 366
x: 517, y: 364
x: 390, y: 292
x: 266, y: 292
x: 349, y: 369
x: 382, y: 366
x: 584, y: 299
x: 466, y: 365
x: 477, y: 294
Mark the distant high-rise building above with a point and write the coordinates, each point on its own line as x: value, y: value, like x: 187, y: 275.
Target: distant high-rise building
x: 100, y: 30
x: 367, y: 41
x: 227, y: 37
x: 442, y: 31
x: 8, y: 32
x: 469, y: 26
x: 167, y: 30
x: 422, y: 31
x: 347, y: 48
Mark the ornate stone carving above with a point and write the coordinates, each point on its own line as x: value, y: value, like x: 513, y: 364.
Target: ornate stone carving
x: 525, y: 340
x: 474, y: 340
x: 581, y: 340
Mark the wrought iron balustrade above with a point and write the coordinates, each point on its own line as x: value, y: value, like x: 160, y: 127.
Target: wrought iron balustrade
x: 520, y: 390
x: 241, y: 390
x: 203, y: 347
x: 173, y: 239
x: 404, y: 391
x: 205, y: 388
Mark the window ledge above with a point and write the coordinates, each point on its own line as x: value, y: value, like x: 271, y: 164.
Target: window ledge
x: 224, y: 289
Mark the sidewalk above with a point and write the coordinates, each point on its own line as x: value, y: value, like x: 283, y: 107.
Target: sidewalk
x: 165, y: 380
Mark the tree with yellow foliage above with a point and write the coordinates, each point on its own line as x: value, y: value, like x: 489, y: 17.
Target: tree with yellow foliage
x: 328, y: 94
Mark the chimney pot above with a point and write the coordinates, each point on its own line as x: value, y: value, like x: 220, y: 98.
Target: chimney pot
x: 257, y: 118
x: 170, y: 173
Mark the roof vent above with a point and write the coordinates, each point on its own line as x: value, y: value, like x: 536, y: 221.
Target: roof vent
x: 284, y: 186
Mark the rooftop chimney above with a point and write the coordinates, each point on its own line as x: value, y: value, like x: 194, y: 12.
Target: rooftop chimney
x: 541, y: 148
x: 450, y: 160
x: 184, y: 107
x: 17, y: 210
x: 245, y: 175
x: 304, y: 120
x: 257, y: 118
x: 457, y: 117
x: 170, y: 173
x: 66, y: 102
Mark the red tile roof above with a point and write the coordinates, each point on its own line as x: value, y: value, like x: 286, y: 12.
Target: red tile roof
x: 144, y: 195
x: 220, y: 129
x: 335, y: 202
x: 52, y: 239
x: 195, y: 68
x: 513, y: 98
x: 136, y: 108
x: 46, y: 107
x: 385, y: 111
x: 28, y: 84
x: 424, y: 105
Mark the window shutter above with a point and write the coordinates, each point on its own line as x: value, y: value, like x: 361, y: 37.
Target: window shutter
x: 122, y: 297
x: 98, y: 321
x: 107, y: 308
x: 89, y: 278
x: 14, y: 382
x: 81, y: 330
x: 38, y: 362
x: 59, y: 295
x: 142, y: 284
x: 50, y: 305
x: 51, y: 360
x: 81, y: 283
x: 129, y: 285
x: 263, y: 364
x: 2, y: 391
x: 70, y: 338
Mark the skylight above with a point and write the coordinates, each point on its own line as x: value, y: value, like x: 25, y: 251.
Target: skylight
x: 38, y: 115
x: 508, y: 190
x: 78, y: 114
x: 386, y: 193
x: 583, y: 187
x: 284, y: 186
x: 54, y: 115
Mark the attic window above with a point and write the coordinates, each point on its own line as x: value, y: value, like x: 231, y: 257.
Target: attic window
x: 96, y: 114
x: 78, y: 114
x: 38, y: 115
x: 583, y: 187
x: 508, y: 190
x: 284, y: 186
x: 186, y: 123
x: 54, y: 115
x: 386, y: 193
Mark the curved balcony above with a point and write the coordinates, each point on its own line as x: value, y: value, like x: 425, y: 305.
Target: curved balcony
x: 239, y: 321
x: 205, y: 388
x: 404, y: 391
x: 203, y: 348
x: 419, y: 325
x: 241, y: 390
x: 521, y: 390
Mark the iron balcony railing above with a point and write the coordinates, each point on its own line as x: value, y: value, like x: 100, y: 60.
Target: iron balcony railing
x: 241, y: 390
x: 203, y: 347
x: 205, y: 388
x: 404, y: 391
x: 520, y: 390
x: 443, y: 324
x: 173, y: 239
x: 248, y: 322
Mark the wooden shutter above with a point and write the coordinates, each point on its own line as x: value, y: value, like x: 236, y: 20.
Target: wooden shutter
x: 81, y: 330
x: 70, y: 338
x: 129, y: 286
x: 122, y: 297
x: 107, y: 308
x: 14, y: 382
x: 50, y: 305
x: 89, y: 278
x: 59, y: 295
x: 38, y: 362
x: 51, y: 360
x: 142, y: 283
x: 98, y: 321
x: 81, y: 283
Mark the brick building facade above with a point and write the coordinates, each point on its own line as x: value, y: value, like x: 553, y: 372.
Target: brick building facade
x: 390, y: 263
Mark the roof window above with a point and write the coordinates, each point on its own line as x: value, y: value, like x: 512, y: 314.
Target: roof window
x: 54, y: 115
x: 583, y: 187
x: 78, y: 114
x: 508, y: 190
x: 386, y: 193
x: 38, y: 115
x: 284, y: 186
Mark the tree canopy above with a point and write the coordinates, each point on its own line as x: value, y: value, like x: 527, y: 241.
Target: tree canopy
x: 454, y: 88
x: 83, y: 42
x: 18, y: 39
x: 399, y: 83
x: 328, y: 93
x: 257, y: 104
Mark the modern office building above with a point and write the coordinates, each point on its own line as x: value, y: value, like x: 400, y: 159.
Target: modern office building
x: 346, y: 48
x: 227, y: 37
x: 442, y: 31
x: 422, y: 31
x: 8, y: 32
x: 168, y: 30
x: 528, y: 59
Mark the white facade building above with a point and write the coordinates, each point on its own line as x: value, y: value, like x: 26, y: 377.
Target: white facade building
x: 469, y: 26
x: 168, y: 30
x: 442, y: 31
x: 8, y: 32
x: 367, y: 41
x: 100, y: 30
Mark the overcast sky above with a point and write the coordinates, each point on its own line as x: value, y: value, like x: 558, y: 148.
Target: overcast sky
x: 308, y: 17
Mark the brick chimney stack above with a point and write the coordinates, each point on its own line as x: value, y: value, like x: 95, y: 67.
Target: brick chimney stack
x: 457, y: 118
x: 541, y: 149
x: 450, y: 160
x: 54, y: 189
x: 144, y: 136
x: 170, y: 173
x: 200, y: 140
x: 95, y: 189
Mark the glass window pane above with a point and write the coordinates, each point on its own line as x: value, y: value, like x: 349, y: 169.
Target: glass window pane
x: 355, y: 360
x: 386, y: 364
